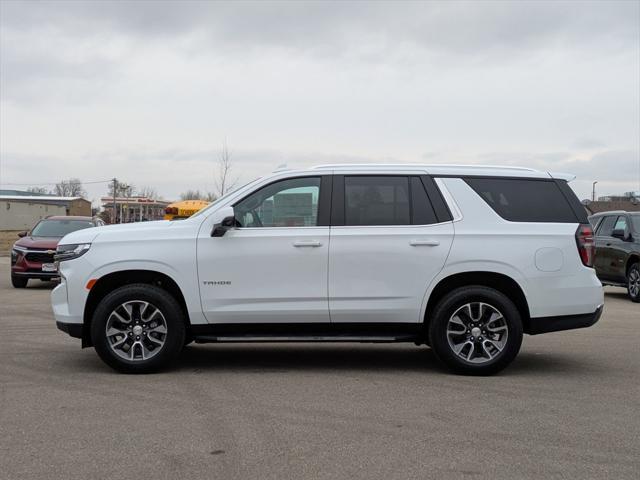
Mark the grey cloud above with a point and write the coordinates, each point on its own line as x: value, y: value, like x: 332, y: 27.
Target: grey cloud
x: 48, y: 45
x: 608, y: 165
x: 454, y: 27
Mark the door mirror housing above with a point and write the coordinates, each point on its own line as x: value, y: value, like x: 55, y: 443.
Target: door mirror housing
x: 619, y: 233
x: 22, y: 234
x: 227, y: 222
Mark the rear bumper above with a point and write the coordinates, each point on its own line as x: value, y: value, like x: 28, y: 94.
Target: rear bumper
x: 564, y: 322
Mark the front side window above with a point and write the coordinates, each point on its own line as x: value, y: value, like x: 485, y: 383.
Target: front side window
x: 287, y: 203
x: 635, y: 219
x: 606, y: 226
x: 621, y: 224
x: 376, y: 200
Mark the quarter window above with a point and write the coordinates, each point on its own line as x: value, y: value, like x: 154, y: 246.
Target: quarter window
x: 287, y: 203
x: 524, y: 200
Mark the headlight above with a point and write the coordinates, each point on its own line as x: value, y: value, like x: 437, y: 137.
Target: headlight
x: 69, y: 252
x: 16, y: 251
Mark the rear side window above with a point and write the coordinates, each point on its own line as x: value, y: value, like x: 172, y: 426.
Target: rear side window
x: 377, y: 200
x: 525, y: 200
x: 422, y: 210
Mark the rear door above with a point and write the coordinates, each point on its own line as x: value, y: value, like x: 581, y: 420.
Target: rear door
x: 390, y: 236
x: 604, y: 242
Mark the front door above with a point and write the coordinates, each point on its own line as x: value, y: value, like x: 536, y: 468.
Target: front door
x: 387, y: 245
x: 272, y: 268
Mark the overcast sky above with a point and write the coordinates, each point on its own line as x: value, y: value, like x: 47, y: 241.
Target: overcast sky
x: 148, y: 91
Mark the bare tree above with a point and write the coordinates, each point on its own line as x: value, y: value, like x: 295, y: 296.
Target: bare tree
x: 37, y: 190
x: 122, y: 189
x: 148, y: 192
x: 211, y: 197
x: 223, y: 178
x: 191, y: 195
x: 69, y: 188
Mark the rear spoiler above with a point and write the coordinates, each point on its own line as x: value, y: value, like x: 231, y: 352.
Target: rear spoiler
x: 562, y: 176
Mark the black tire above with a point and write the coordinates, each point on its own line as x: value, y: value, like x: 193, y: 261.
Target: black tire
x: 633, y: 274
x: 173, y: 316
x: 449, y: 305
x: 19, y: 282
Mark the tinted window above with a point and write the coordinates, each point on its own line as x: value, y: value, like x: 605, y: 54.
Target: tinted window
x: 422, y: 210
x: 288, y: 203
x: 606, y: 226
x: 58, y: 228
x: 520, y: 200
x: 635, y: 219
x: 621, y: 224
x: 376, y: 200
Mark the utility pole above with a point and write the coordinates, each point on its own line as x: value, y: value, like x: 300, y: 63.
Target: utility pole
x: 115, y: 190
x: 593, y: 191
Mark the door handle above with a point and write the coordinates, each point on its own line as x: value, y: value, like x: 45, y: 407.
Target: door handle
x: 307, y: 243
x: 424, y: 243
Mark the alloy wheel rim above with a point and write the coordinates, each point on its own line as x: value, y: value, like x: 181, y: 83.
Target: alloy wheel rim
x: 477, y: 332
x: 634, y: 282
x: 136, y: 330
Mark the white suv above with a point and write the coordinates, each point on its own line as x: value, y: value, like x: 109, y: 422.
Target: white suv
x: 462, y: 258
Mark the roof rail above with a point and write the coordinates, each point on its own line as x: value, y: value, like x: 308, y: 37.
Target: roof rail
x: 420, y: 165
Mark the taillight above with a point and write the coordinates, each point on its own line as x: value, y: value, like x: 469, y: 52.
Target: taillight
x: 586, y: 244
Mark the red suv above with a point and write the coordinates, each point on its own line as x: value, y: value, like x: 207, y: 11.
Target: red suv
x: 32, y: 255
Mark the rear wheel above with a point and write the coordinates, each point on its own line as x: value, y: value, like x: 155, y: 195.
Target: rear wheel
x: 633, y: 282
x: 476, y: 330
x: 19, y: 282
x: 138, y: 328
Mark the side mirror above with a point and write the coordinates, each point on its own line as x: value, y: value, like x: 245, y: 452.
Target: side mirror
x: 219, y: 229
x: 22, y: 234
x: 228, y: 222
x: 619, y: 233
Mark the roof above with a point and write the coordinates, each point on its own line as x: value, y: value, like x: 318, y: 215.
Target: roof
x: 614, y: 212
x: 40, y: 198
x: 69, y: 217
x: 451, y: 169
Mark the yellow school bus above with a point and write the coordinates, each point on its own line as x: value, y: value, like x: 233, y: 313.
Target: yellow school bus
x: 183, y: 209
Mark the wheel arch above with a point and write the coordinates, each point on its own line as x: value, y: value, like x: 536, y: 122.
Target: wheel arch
x: 113, y: 280
x: 633, y: 258
x: 498, y: 281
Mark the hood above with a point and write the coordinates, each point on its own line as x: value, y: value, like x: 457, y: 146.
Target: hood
x: 120, y: 231
x: 48, y: 243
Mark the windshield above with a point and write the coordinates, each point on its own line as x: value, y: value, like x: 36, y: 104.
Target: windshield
x: 224, y: 197
x: 636, y: 223
x: 58, y: 228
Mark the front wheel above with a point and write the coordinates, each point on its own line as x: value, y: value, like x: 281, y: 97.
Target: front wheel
x: 19, y: 282
x: 633, y: 282
x: 138, y: 328
x: 476, y: 330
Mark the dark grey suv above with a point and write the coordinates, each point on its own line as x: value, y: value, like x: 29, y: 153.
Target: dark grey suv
x: 617, y: 259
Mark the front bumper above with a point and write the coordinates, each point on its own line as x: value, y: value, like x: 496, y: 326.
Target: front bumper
x: 564, y: 322
x: 75, y: 330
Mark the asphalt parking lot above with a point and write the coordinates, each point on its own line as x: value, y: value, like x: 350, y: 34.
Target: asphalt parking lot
x: 567, y: 408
